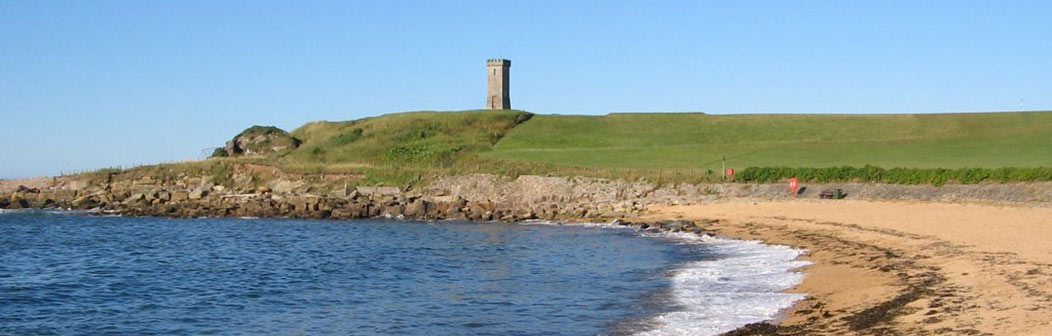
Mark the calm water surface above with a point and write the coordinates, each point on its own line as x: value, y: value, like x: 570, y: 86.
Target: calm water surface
x: 66, y: 274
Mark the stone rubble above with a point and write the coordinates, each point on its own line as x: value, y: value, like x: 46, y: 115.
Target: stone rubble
x: 477, y: 197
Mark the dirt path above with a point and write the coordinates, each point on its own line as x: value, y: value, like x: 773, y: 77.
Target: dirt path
x: 905, y: 268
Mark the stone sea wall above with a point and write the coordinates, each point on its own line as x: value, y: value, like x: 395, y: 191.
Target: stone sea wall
x: 477, y: 197
x: 199, y: 196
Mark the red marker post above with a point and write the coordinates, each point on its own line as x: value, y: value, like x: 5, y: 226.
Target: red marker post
x: 793, y: 185
x: 730, y: 174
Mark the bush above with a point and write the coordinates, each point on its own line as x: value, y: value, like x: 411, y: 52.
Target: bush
x: 934, y: 176
x: 423, y: 130
x: 219, y: 152
x: 221, y: 174
x: 421, y: 153
x: 347, y: 138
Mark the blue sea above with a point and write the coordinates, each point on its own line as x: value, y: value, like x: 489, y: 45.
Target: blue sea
x: 73, y: 274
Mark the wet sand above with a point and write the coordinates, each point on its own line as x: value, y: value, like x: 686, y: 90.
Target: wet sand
x: 902, y: 268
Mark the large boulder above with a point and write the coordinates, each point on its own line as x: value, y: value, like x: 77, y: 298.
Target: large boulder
x: 134, y: 199
x: 283, y: 186
x: 17, y: 201
x: 416, y: 209
x: 393, y: 210
x: 179, y: 196
x: 303, y: 203
x: 201, y: 191
x: 358, y: 210
x: 27, y: 190
x: 84, y: 202
x: 78, y: 185
x: 259, y: 140
x: 378, y: 191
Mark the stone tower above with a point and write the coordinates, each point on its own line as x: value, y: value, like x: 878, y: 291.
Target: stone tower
x: 498, y: 96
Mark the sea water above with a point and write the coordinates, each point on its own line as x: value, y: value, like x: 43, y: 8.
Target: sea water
x: 70, y: 274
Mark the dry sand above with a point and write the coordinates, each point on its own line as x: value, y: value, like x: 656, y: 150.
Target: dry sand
x: 903, y: 268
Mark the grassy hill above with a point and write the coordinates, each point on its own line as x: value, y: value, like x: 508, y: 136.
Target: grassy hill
x: 655, y: 140
x: 406, y: 147
x: 405, y: 139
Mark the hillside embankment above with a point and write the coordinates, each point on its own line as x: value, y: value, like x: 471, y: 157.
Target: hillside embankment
x: 889, y: 260
x: 518, y: 142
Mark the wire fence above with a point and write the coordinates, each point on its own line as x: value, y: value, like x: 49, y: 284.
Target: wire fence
x: 123, y: 167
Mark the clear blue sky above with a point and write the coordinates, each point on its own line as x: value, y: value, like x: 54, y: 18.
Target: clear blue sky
x: 90, y: 84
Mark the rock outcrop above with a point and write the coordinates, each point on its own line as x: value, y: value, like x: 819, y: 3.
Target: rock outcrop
x: 259, y: 140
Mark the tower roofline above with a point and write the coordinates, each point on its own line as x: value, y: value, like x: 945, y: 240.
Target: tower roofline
x: 498, y: 61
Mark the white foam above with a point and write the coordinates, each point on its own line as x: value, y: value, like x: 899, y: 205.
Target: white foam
x: 607, y: 225
x: 743, y: 285
x: 46, y: 211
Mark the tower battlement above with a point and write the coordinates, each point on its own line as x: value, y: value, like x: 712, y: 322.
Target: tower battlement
x: 498, y: 91
x: 498, y: 62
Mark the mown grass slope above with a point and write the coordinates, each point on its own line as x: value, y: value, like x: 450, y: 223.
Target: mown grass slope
x: 411, y: 138
x: 695, y: 140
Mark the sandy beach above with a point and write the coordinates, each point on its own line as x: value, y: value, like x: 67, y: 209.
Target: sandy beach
x: 903, y: 268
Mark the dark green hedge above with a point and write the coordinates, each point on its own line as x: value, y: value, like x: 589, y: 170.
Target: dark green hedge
x: 935, y: 176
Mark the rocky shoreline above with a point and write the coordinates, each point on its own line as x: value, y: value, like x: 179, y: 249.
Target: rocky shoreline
x: 477, y: 197
x: 366, y: 202
x: 208, y: 201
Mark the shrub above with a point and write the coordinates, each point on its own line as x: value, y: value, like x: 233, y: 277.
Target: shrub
x: 219, y: 152
x: 221, y: 174
x: 934, y: 176
x: 421, y: 153
x: 349, y: 137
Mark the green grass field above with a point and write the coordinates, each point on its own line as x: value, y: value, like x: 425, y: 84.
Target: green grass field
x: 676, y: 140
x: 400, y: 148
x: 402, y: 138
